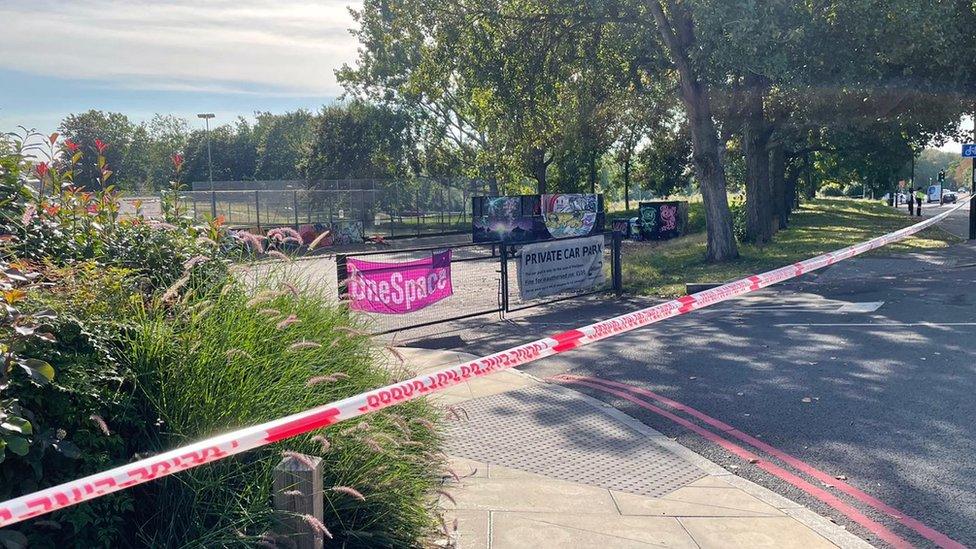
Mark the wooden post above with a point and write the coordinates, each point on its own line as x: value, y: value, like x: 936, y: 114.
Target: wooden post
x: 298, y: 492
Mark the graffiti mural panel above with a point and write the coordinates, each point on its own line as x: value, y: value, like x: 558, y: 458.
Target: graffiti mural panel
x: 662, y: 220
x: 571, y: 215
x: 530, y: 218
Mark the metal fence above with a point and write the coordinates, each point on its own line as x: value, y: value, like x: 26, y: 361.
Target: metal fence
x: 484, y: 279
x: 383, y: 208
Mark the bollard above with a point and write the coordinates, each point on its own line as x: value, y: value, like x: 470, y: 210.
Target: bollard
x: 298, y: 492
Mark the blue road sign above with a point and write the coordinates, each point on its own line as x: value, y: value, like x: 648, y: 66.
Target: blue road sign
x: 969, y: 151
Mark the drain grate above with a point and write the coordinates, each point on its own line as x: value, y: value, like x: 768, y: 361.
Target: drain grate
x: 549, y: 431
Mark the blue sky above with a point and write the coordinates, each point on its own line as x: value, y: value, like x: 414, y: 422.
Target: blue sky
x: 230, y: 57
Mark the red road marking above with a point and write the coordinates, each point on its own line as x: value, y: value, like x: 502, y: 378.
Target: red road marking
x: 925, y: 531
x: 877, y: 529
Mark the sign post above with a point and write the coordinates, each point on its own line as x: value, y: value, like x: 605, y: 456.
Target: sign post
x: 969, y: 151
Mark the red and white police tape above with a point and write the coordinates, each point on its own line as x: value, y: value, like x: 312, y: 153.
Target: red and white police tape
x: 219, y: 447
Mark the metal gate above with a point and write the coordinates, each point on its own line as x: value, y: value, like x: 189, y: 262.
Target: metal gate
x: 484, y: 279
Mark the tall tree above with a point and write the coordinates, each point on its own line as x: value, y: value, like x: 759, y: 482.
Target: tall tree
x: 114, y: 131
x: 677, y: 30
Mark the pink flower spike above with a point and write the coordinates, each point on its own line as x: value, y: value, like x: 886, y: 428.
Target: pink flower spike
x: 101, y: 146
x: 101, y: 424
x: 317, y: 525
x: 352, y: 492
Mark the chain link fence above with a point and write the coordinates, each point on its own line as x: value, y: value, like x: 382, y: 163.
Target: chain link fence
x: 383, y: 208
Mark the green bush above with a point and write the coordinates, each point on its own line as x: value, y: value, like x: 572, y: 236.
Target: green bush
x: 232, y: 362
x: 156, y: 344
x: 832, y: 190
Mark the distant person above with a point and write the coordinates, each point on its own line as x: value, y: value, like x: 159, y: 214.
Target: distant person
x: 919, y: 196
x: 911, y: 203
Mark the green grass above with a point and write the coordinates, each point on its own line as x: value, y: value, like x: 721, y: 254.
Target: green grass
x: 227, y: 363
x: 819, y: 226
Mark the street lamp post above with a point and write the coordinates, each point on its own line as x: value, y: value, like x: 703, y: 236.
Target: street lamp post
x: 213, y: 197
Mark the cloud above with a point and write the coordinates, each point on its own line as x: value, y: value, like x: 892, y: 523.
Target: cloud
x: 287, y: 47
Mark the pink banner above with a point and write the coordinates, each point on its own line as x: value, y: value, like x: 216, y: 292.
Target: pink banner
x: 399, y: 288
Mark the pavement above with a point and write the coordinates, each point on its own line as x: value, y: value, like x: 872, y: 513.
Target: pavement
x: 541, y: 465
x: 862, y: 373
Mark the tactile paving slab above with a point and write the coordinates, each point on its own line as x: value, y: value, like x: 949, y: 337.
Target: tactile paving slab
x: 550, y: 431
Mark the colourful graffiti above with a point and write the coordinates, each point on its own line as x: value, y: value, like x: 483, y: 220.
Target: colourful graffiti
x: 569, y: 215
x: 662, y: 220
x: 532, y: 218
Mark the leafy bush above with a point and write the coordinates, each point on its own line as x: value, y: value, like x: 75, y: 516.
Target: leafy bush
x: 157, y: 345
x: 832, y: 190
x: 239, y: 360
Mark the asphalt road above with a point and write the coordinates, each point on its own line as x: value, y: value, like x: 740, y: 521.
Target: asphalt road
x: 882, y: 397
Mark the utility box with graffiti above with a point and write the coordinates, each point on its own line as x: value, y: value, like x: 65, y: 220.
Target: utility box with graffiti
x: 533, y: 217
x: 662, y: 220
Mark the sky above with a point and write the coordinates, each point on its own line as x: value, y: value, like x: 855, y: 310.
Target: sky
x: 182, y: 57
x: 229, y: 57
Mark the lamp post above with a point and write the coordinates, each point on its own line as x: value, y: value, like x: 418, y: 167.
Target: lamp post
x: 213, y: 197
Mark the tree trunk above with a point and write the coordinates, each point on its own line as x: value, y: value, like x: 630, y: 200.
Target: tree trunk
x: 539, y: 167
x: 627, y: 183
x: 777, y: 180
x: 678, y: 37
x: 755, y: 141
x: 592, y: 172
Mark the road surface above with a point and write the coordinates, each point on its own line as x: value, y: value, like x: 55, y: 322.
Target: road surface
x: 865, y: 371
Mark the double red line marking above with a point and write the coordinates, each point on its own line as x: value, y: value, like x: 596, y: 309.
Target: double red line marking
x: 630, y: 393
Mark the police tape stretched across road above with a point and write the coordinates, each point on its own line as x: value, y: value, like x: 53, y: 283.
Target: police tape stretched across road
x: 219, y: 447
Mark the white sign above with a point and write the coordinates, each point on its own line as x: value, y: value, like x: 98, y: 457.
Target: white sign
x: 558, y: 266
x: 148, y: 207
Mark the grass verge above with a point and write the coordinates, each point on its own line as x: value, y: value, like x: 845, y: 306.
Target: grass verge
x: 819, y: 226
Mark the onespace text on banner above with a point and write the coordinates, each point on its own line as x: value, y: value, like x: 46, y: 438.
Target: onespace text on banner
x: 557, y: 266
x: 399, y: 288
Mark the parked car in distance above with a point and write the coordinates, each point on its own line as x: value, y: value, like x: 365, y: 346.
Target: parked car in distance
x: 949, y: 197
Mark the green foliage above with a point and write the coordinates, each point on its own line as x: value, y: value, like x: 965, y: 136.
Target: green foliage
x: 143, y: 370
x: 228, y: 362
x: 358, y: 140
x: 832, y: 189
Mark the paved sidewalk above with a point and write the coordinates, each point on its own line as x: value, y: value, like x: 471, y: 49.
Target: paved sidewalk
x: 542, y: 465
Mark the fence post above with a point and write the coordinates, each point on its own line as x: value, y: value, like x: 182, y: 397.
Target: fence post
x: 257, y: 208
x: 342, y: 274
x: 295, y: 204
x: 298, y: 492
x: 504, y: 277
x: 616, y: 240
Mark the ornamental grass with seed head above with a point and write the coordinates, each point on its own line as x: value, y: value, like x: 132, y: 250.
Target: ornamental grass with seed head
x: 323, y: 442
x: 270, y: 312
x: 292, y: 289
x: 317, y: 525
x: 237, y: 353
x: 288, y: 321
x: 102, y: 426
x: 294, y: 493
x: 312, y: 381
x: 447, y: 496
x: 424, y: 423
x: 199, y: 398
x: 307, y: 461
x: 175, y: 288
x: 349, y: 491
x: 264, y: 297
x: 302, y: 345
